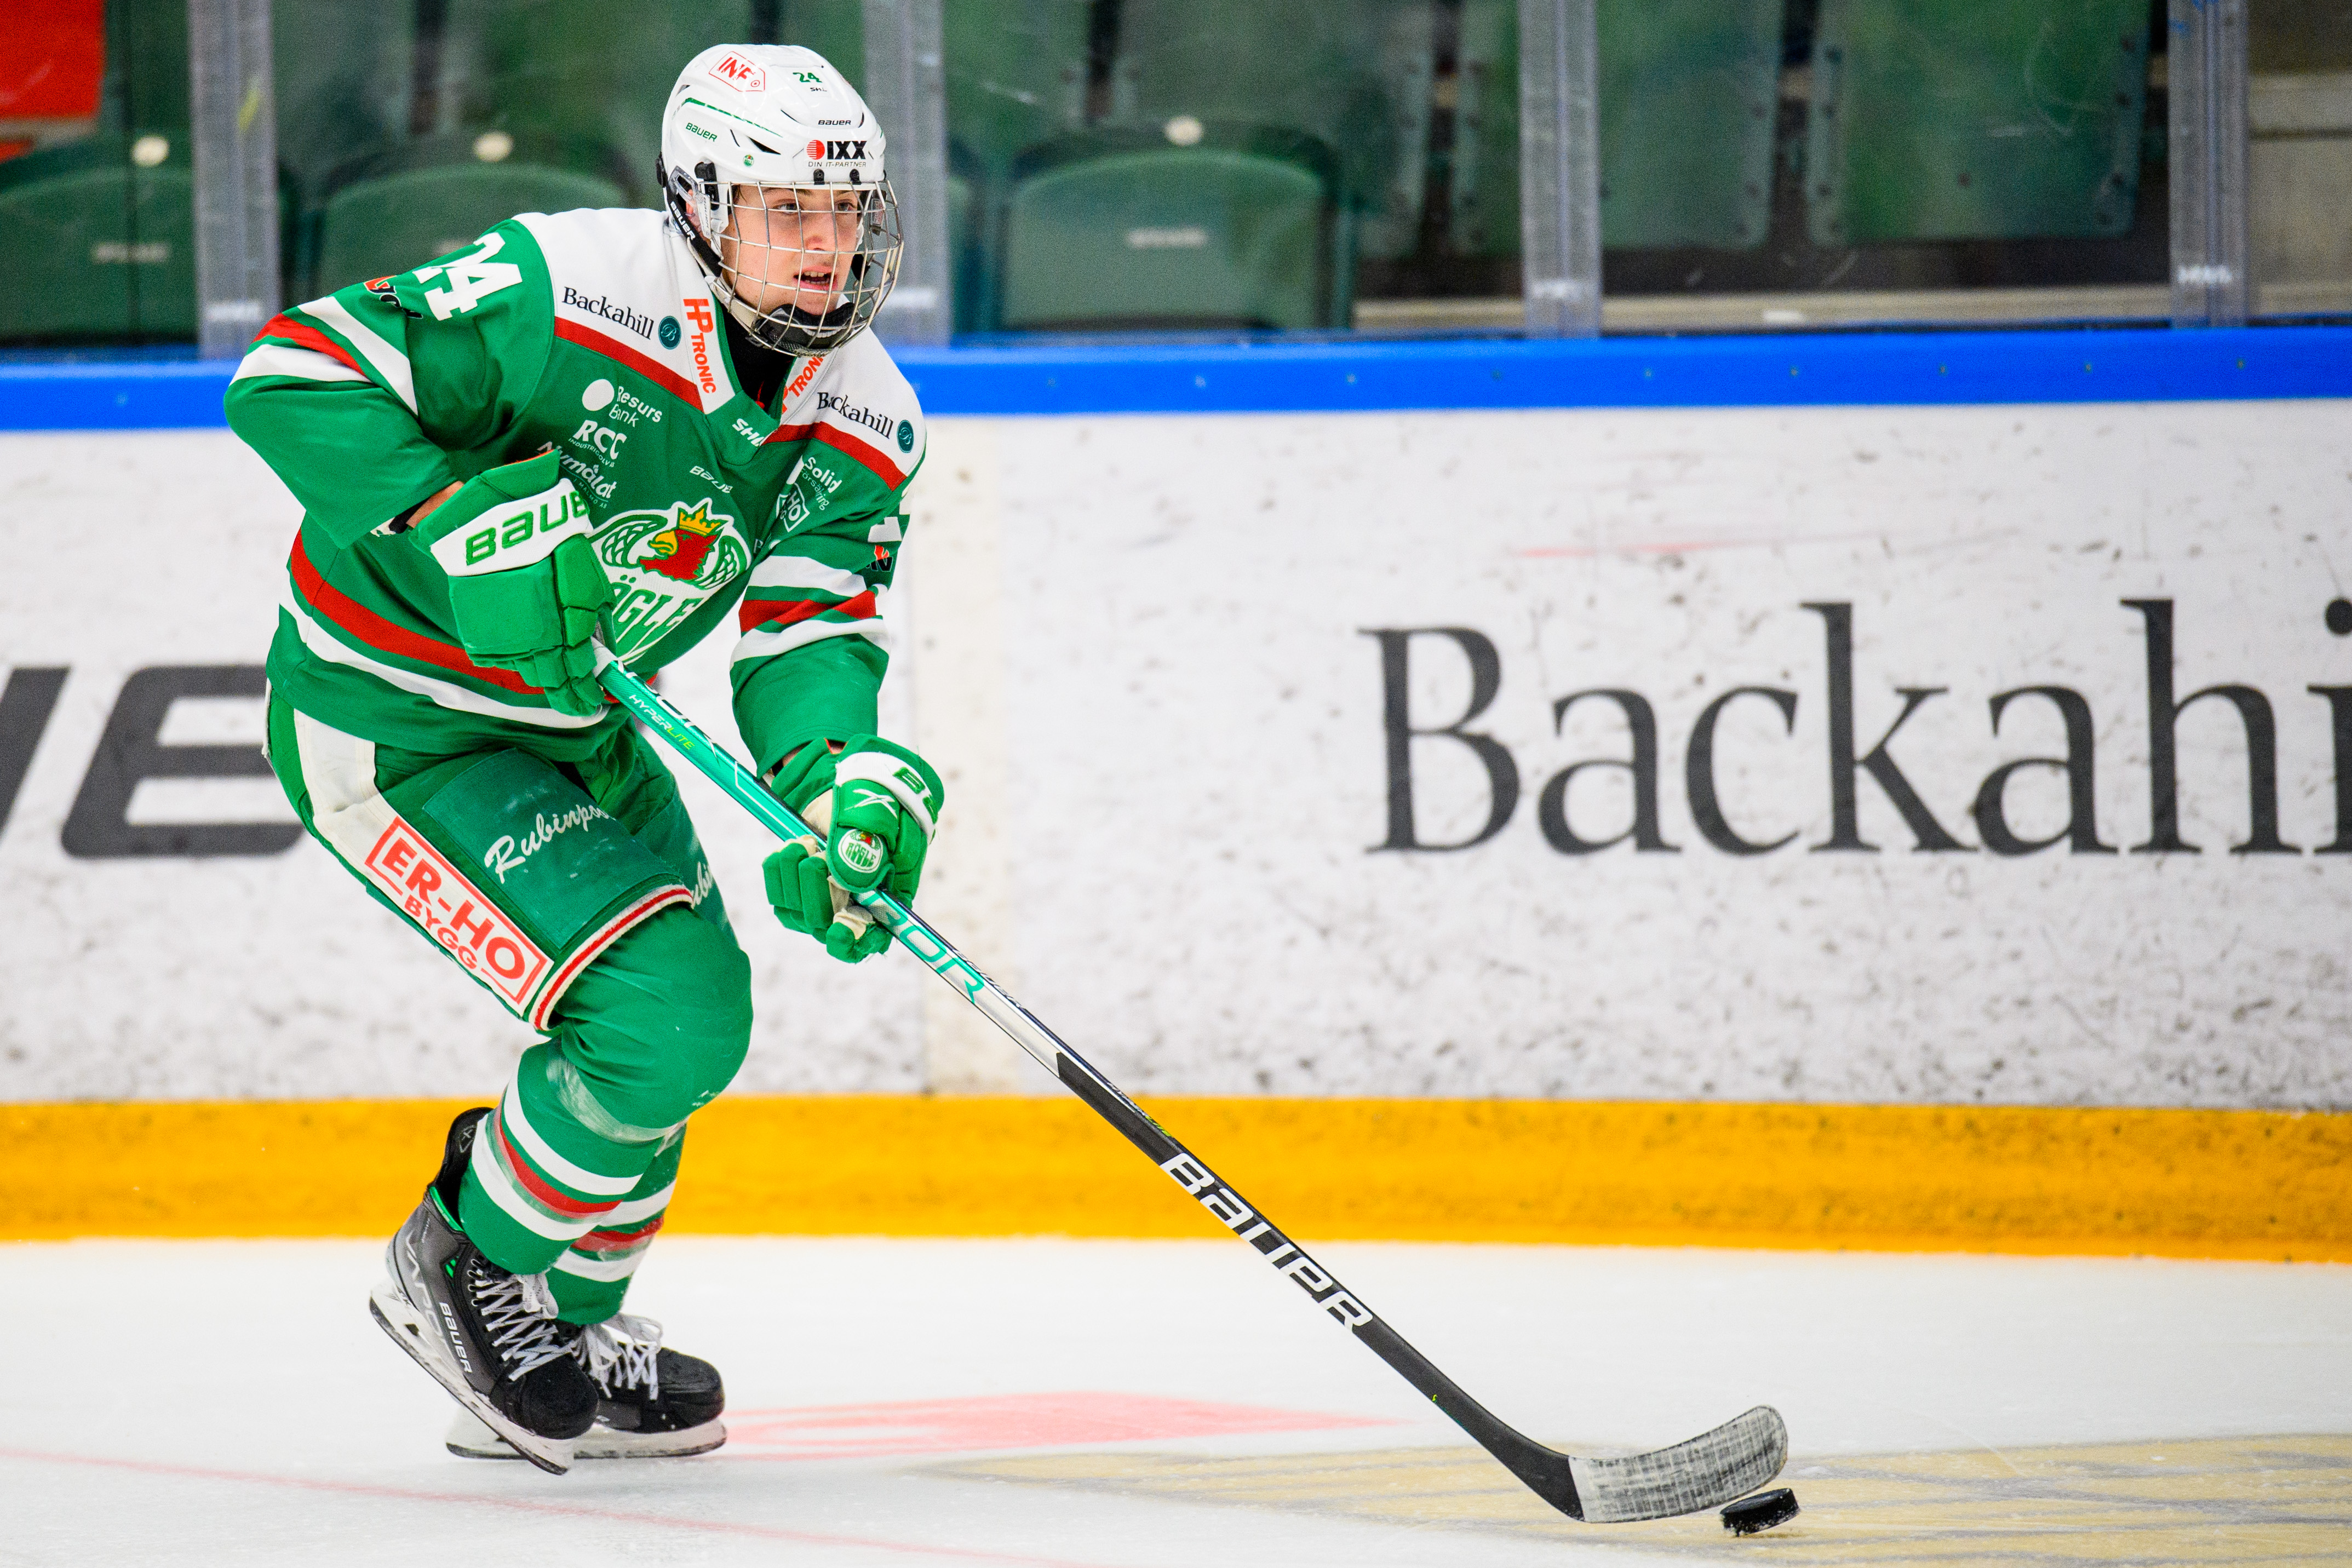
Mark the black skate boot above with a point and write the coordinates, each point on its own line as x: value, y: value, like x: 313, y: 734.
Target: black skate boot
x: 490, y: 1337
x: 657, y: 1404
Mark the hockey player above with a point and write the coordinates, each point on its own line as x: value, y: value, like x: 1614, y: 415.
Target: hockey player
x: 593, y: 427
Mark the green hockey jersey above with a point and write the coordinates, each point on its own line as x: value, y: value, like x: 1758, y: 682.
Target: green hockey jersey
x: 594, y: 332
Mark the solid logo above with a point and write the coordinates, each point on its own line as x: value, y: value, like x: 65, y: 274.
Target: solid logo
x: 906, y: 435
x: 597, y: 395
x: 739, y: 73
x: 816, y: 149
x: 669, y: 332
x: 841, y: 151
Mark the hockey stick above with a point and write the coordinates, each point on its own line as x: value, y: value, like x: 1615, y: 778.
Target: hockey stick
x: 1708, y: 1471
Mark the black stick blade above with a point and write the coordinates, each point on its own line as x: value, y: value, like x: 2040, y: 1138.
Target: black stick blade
x: 1707, y: 1471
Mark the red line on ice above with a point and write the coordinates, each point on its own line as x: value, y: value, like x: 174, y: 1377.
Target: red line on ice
x: 1003, y: 1421
x: 525, y: 1505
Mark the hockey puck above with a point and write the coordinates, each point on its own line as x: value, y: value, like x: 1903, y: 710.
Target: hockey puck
x: 1754, y: 1515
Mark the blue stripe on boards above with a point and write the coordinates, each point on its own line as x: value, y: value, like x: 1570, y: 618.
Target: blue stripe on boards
x: 2072, y: 366
x: 1339, y: 376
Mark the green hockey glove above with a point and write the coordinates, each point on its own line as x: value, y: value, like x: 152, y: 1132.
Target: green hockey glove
x: 524, y: 582
x: 877, y: 804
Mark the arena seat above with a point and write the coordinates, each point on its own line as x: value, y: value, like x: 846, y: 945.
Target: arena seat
x: 583, y: 80
x: 94, y: 247
x: 341, y: 90
x: 1354, y: 74
x: 400, y: 220
x: 1688, y: 90
x: 1975, y: 120
x: 1125, y: 230
x: 1016, y: 75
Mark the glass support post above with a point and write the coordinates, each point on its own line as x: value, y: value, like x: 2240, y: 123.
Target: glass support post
x: 1559, y: 166
x: 233, y: 125
x: 907, y: 89
x: 2206, y: 85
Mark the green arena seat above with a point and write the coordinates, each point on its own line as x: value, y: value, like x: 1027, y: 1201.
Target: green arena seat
x: 1355, y: 74
x: 1106, y: 232
x: 582, y: 80
x: 1016, y: 75
x: 342, y: 92
x: 835, y: 29
x: 397, y: 221
x: 94, y: 248
x: 1938, y: 119
x: 1689, y: 94
x: 96, y: 236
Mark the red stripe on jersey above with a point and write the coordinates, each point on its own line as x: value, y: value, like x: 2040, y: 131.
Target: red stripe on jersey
x: 859, y: 451
x: 789, y: 433
x: 287, y: 329
x: 661, y: 375
x: 555, y: 1198
x: 386, y: 635
x: 586, y: 953
x: 784, y: 611
x: 619, y: 1240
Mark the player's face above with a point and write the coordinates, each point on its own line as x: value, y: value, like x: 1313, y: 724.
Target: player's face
x: 791, y: 245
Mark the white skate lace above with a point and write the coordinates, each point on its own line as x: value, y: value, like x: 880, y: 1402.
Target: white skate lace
x: 624, y: 1351
x: 518, y: 1314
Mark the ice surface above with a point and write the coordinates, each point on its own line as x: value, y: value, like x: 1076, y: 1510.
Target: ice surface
x: 1146, y: 1404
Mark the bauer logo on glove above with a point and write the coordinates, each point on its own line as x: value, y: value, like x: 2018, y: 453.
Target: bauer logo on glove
x: 877, y: 803
x: 524, y: 584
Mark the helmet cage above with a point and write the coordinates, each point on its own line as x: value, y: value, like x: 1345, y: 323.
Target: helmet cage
x: 702, y: 206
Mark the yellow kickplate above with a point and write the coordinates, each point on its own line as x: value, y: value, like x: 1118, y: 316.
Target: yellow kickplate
x: 2238, y: 1500
x: 2197, y: 1184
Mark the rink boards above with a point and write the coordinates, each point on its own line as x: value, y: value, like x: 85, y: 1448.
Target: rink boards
x: 1845, y: 756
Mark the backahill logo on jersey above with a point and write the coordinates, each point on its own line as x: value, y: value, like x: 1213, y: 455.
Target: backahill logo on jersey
x: 666, y: 563
x: 881, y: 425
x: 619, y: 315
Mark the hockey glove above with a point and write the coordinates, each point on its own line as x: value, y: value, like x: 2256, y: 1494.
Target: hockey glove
x: 877, y: 805
x: 524, y: 582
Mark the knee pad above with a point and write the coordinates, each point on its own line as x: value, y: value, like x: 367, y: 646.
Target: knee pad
x: 660, y: 1022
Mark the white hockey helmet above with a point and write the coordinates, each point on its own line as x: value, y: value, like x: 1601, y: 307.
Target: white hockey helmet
x: 779, y: 116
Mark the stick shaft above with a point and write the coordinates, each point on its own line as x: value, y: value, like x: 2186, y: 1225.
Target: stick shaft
x: 1541, y: 1468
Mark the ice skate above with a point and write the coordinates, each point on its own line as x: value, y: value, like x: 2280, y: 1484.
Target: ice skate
x: 488, y: 1336
x: 654, y: 1404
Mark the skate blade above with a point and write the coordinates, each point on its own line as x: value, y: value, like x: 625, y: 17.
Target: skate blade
x: 469, y: 1439
x: 412, y: 1333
